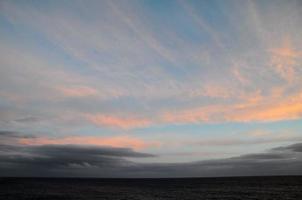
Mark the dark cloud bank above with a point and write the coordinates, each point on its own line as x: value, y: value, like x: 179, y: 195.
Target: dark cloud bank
x: 92, y: 161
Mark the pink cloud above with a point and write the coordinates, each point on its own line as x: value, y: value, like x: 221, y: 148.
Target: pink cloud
x: 79, y: 91
x: 253, y: 108
x: 116, y: 141
x: 118, y: 122
x: 238, y: 73
x: 282, y: 111
x: 186, y: 116
x: 284, y: 60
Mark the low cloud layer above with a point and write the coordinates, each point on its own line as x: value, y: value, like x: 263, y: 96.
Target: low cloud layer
x: 96, y: 161
x: 64, y: 160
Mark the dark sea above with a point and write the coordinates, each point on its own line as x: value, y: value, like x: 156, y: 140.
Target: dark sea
x: 282, y: 187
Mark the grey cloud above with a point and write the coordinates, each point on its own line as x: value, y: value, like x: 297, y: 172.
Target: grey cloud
x: 72, y: 160
x: 27, y: 119
x: 62, y: 160
x: 236, y: 141
x: 13, y: 134
x: 87, y: 150
x: 265, y: 156
x: 295, y: 148
x: 7, y: 133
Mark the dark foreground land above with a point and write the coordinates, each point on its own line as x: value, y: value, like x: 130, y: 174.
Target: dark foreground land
x: 283, y: 187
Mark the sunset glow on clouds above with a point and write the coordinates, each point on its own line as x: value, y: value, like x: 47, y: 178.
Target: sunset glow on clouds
x: 117, y: 141
x: 124, y: 123
x: 78, y: 91
x: 163, y: 77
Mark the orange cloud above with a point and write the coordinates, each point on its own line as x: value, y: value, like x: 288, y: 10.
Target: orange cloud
x: 238, y: 74
x: 196, y: 115
x: 118, y: 122
x: 271, y: 108
x: 117, y: 141
x: 79, y: 91
x: 283, y: 111
x: 284, y: 60
x: 255, y: 108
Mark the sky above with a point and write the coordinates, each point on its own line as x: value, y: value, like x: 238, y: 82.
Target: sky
x: 150, y: 88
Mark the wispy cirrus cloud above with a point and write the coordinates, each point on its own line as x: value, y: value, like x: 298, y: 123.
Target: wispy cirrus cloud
x: 118, y: 122
x: 237, y: 140
x: 79, y: 91
x: 285, y: 59
x: 124, y: 74
x: 251, y: 109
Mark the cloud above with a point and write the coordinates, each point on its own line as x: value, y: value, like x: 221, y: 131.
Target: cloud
x: 8, y: 134
x: 293, y: 148
x: 234, y: 141
x: 202, y: 23
x: 273, y: 162
x: 231, y: 144
x: 239, y: 75
x: 120, y: 55
x: 125, y: 141
x: 80, y: 91
x: 12, y: 137
x: 117, y: 68
x: 284, y: 60
x: 63, y: 159
x: 118, y: 122
x: 254, y: 108
x: 285, y: 111
x: 75, y: 160
x: 264, y: 156
x: 216, y: 91
x: 142, y: 32
x: 28, y: 119
x: 112, y: 141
